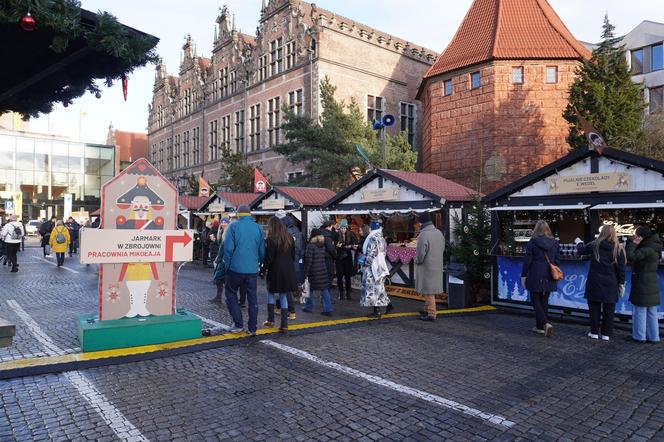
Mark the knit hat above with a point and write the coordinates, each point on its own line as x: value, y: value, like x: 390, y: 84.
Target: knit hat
x: 281, y: 214
x: 425, y: 217
x: 376, y: 224
x: 343, y: 223
x: 243, y: 210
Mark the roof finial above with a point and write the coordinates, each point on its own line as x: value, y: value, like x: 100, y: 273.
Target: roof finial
x: 263, y: 6
x: 233, y: 25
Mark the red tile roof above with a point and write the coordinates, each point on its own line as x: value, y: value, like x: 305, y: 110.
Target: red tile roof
x: 236, y: 199
x: 435, y: 184
x: 508, y: 29
x: 307, y: 196
x: 192, y: 202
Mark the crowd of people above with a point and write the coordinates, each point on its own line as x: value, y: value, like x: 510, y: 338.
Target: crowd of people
x: 299, y: 268
x: 57, y: 237
x: 605, y: 283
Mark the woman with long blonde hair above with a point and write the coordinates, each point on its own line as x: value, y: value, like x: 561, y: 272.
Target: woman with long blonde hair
x: 606, y: 280
x: 541, y: 250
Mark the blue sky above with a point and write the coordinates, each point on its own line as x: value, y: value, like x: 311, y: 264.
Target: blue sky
x: 430, y: 23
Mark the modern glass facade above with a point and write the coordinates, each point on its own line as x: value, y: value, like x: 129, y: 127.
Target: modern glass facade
x: 45, y: 168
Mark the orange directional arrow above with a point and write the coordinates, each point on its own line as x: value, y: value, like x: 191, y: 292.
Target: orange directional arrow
x: 171, y: 240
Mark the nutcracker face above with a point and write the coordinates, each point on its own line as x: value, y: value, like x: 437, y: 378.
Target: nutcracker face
x: 140, y: 207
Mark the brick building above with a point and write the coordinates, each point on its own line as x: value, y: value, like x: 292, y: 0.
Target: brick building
x: 129, y: 146
x: 235, y: 99
x: 492, y: 102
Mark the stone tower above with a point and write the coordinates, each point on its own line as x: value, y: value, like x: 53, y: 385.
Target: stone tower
x: 492, y: 103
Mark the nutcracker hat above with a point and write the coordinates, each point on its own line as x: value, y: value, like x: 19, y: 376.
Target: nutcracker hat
x: 141, y: 189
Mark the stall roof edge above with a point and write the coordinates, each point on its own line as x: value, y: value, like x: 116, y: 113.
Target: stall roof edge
x: 301, y: 196
x: 570, y: 158
x: 407, y: 179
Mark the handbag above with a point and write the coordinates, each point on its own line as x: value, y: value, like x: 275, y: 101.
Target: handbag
x: 556, y: 273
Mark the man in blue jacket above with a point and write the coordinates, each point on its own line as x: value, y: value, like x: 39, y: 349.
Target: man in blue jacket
x: 244, y: 250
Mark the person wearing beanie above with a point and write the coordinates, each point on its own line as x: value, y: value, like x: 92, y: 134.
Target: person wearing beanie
x: 375, y: 271
x: 346, y: 243
x: 429, y: 265
x: 244, y: 252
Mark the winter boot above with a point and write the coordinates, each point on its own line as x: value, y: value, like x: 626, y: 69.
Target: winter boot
x: 270, y: 316
x: 283, y: 328
x: 143, y: 306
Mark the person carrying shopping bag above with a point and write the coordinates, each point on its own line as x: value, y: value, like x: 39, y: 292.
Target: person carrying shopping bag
x: 605, y: 282
x: 536, y: 274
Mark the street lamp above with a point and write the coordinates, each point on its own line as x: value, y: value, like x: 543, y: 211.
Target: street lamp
x: 183, y: 181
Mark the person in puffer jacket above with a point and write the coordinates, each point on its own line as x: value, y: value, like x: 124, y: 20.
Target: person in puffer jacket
x: 316, y: 271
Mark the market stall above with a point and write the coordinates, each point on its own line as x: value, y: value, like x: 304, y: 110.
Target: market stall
x: 576, y: 195
x: 304, y: 203
x: 223, y: 204
x: 397, y: 197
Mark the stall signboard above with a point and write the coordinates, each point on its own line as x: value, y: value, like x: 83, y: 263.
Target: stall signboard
x: 384, y: 194
x: 216, y: 208
x: 592, y: 182
x: 272, y: 204
x: 137, y: 206
x: 571, y: 289
x: 124, y: 246
x: 621, y: 229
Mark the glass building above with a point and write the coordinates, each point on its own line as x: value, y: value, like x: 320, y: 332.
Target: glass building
x: 44, y: 168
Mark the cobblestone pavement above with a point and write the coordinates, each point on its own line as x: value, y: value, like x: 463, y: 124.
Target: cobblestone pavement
x: 54, y: 298
x: 357, y: 384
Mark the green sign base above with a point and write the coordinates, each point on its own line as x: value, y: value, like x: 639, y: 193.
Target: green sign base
x: 96, y: 335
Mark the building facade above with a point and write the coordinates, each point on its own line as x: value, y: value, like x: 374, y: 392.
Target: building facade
x: 129, y: 147
x: 646, y: 56
x: 492, y: 103
x: 42, y: 169
x: 235, y: 100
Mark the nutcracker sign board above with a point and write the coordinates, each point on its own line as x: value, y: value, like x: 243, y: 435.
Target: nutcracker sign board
x: 136, y: 248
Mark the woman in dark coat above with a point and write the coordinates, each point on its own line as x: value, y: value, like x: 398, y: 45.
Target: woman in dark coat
x: 644, y: 252
x: 316, y: 271
x: 281, y: 277
x: 536, y: 274
x: 606, y: 280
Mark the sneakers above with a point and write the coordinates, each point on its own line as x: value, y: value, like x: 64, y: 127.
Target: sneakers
x: 427, y: 318
x: 538, y: 331
x: 548, y: 330
x: 593, y: 336
x: 605, y: 338
x: 292, y: 316
x: 236, y: 330
x: 268, y: 324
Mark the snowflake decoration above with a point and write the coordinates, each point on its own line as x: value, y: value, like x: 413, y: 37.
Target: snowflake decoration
x: 162, y: 291
x: 113, y: 293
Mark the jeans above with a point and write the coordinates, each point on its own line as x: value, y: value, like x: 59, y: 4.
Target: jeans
x: 327, y: 302
x: 235, y: 281
x: 60, y: 258
x: 73, y: 246
x: 606, y: 311
x: 540, y: 303
x: 644, y: 324
x: 344, y: 274
x: 283, y: 299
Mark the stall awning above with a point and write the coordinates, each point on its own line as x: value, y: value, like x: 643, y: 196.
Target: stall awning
x: 628, y: 206
x: 558, y: 207
x: 370, y: 211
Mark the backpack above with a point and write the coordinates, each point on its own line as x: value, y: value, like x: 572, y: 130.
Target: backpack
x: 18, y: 232
x: 60, y: 238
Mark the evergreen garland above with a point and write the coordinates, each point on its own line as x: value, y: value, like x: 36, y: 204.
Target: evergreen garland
x: 62, y: 19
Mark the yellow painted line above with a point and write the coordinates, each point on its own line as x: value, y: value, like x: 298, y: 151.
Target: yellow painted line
x: 129, y: 351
